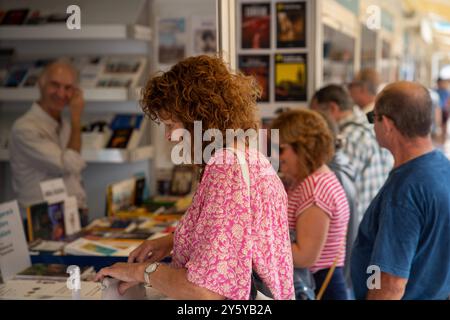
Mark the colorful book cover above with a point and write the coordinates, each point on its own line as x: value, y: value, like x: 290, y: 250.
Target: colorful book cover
x: 290, y: 77
x: 15, y: 17
x: 291, y: 24
x: 259, y: 67
x: 126, y: 121
x: 119, y: 138
x: 255, y: 26
x: 46, y: 221
x: 51, y: 271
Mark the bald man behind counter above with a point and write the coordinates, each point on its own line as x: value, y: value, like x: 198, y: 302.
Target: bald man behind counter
x: 43, y: 145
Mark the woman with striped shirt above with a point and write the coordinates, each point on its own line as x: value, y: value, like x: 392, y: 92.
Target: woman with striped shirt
x: 318, y: 209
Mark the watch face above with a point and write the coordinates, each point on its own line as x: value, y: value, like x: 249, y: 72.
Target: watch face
x: 151, y: 268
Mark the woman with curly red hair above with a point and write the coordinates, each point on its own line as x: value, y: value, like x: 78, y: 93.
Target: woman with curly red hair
x: 318, y: 209
x: 235, y: 234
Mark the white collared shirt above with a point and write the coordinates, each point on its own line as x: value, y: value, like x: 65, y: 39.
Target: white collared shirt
x: 369, y: 107
x: 38, y: 152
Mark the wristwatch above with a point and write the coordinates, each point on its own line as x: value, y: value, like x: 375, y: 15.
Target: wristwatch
x: 149, y: 270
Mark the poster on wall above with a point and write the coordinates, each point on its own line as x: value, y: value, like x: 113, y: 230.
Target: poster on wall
x: 291, y: 24
x: 172, y: 40
x: 290, y: 77
x: 259, y: 67
x: 204, y: 35
x: 255, y: 26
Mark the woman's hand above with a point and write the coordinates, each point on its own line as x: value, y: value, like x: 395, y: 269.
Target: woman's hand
x: 126, y: 272
x: 152, y: 250
x: 129, y: 274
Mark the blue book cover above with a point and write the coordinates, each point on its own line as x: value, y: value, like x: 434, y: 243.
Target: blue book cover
x: 126, y: 121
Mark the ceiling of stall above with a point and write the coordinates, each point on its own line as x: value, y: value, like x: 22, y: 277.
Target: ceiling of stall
x: 437, y: 12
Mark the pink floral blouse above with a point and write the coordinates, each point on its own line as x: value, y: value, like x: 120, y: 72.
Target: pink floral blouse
x: 221, y: 236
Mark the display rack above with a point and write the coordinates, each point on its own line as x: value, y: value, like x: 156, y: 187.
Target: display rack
x: 90, y: 94
x: 87, y: 32
x: 106, y: 155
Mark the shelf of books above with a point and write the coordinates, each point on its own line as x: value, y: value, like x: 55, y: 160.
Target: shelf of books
x: 118, y: 155
x: 87, y: 32
x: 90, y: 94
x: 113, y: 155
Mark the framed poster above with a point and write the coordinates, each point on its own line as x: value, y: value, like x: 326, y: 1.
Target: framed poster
x: 255, y: 25
x: 290, y: 77
x: 204, y: 34
x: 291, y: 24
x: 172, y: 40
x: 259, y: 67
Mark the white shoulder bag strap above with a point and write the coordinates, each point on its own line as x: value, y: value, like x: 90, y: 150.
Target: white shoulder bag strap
x: 246, y: 175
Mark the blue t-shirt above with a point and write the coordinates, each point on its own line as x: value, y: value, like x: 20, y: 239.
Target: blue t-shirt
x: 406, y: 230
x: 444, y: 95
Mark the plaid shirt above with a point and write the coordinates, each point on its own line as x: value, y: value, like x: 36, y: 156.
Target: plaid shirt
x: 372, y: 163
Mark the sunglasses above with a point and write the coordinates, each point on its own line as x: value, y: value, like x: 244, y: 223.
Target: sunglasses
x: 371, y: 116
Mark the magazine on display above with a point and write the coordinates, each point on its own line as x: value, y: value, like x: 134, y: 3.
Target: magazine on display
x: 255, y: 25
x: 41, y: 271
x: 291, y: 24
x: 290, y: 77
x: 120, y: 71
x: 172, y: 40
x: 204, y: 35
x: 259, y: 67
x: 46, y: 221
x: 121, y: 196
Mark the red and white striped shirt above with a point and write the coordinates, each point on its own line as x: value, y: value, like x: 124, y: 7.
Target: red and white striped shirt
x: 325, y: 191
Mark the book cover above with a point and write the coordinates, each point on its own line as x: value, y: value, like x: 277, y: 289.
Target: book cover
x: 126, y: 121
x: 17, y: 74
x: 84, y: 246
x: 291, y: 24
x: 121, y: 195
x: 46, y: 221
x: 121, y: 65
x: 38, y: 222
x: 290, y: 77
x: 255, y: 25
x: 204, y: 33
x: 36, y: 18
x: 172, y: 40
x: 114, y: 82
x: 51, y: 271
x: 32, y: 77
x: 15, y: 17
x: 259, y: 67
x: 89, y: 68
x: 139, y: 191
x: 119, y: 138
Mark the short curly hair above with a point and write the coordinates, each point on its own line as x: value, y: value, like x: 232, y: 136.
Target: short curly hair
x: 202, y: 88
x: 309, y: 135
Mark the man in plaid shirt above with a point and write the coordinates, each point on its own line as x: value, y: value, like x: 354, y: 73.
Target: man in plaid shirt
x: 372, y: 164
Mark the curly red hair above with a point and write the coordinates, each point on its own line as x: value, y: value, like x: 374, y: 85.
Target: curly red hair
x: 202, y: 88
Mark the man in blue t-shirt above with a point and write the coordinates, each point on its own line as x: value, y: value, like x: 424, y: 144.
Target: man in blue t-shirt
x: 405, y: 233
x: 444, y: 102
